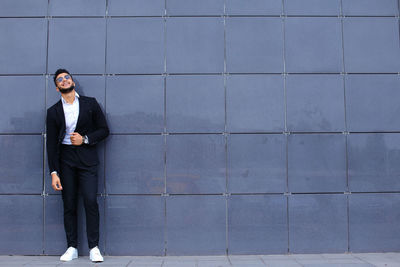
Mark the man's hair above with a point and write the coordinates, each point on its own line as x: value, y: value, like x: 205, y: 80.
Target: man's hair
x: 58, y: 72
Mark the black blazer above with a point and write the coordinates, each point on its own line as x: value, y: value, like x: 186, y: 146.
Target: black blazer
x: 91, y: 122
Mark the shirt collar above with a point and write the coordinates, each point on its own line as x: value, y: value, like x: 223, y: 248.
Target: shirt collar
x: 65, y: 102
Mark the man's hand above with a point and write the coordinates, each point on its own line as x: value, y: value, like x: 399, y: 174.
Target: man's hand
x: 76, y: 139
x: 55, y: 182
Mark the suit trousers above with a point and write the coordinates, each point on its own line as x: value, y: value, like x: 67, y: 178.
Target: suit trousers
x: 76, y: 176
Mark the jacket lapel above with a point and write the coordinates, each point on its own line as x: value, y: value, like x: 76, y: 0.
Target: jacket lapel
x: 81, y: 112
x: 61, y: 116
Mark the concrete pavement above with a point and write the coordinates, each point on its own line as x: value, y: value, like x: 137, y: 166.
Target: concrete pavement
x: 292, y: 260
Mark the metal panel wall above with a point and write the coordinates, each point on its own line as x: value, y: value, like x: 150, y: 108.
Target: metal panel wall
x: 237, y: 126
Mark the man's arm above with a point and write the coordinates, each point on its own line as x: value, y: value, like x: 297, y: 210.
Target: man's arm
x: 52, y: 155
x: 51, y: 143
x: 101, y: 131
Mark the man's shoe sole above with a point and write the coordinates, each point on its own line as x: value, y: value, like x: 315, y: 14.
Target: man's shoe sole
x: 69, y: 260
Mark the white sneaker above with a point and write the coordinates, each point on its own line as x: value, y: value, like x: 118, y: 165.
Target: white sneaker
x: 95, y: 255
x: 70, y: 254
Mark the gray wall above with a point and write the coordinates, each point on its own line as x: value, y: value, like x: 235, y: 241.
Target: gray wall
x: 238, y: 126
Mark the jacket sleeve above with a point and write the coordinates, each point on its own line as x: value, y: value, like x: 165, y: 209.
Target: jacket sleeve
x: 52, y: 142
x: 101, y: 128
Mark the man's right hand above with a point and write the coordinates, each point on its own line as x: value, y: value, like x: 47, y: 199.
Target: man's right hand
x: 55, y: 182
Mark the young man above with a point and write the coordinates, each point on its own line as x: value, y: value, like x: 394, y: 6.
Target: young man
x: 75, y: 124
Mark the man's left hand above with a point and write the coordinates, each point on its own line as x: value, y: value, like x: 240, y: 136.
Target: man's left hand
x: 76, y: 139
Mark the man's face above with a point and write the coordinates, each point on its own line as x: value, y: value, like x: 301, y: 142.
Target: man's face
x: 64, y: 81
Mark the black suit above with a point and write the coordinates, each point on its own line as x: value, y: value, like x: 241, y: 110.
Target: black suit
x: 77, y: 165
x: 91, y: 122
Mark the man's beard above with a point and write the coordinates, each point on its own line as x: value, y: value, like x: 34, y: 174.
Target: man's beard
x: 67, y: 90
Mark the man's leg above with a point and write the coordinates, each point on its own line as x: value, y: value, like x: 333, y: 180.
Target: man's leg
x: 70, y: 199
x: 88, y: 183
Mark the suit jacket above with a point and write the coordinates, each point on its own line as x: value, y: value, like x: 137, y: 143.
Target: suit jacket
x: 91, y: 122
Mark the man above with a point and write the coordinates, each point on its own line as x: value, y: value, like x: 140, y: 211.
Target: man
x: 75, y: 124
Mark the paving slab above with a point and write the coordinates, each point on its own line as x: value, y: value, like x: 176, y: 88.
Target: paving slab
x: 248, y: 265
x: 253, y: 261
x: 283, y: 264
x: 379, y: 260
x: 212, y: 258
x: 372, y: 256
x: 275, y: 257
x: 213, y: 264
x: 345, y: 261
x: 339, y: 265
x: 144, y: 265
x: 288, y: 262
x: 208, y: 262
x: 393, y: 255
x: 243, y: 257
x: 330, y: 261
x: 338, y: 256
x: 182, y: 264
x: 12, y: 262
x: 386, y: 264
x: 391, y: 259
x: 307, y: 256
x: 146, y: 258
